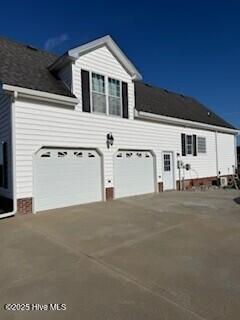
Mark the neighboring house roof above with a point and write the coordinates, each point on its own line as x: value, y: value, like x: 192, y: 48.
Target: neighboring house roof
x: 25, y: 66
x: 166, y: 103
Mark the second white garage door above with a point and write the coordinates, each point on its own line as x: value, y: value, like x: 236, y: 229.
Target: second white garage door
x: 133, y: 173
x: 64, y: 177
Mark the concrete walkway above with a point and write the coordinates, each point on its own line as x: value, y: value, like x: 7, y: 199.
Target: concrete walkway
x: 169, y: 256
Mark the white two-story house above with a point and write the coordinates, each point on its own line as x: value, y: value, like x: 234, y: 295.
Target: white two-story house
x: 84, y: 127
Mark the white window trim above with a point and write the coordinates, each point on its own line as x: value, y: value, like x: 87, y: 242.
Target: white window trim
x: 202, y: 153
x: 106, y: 95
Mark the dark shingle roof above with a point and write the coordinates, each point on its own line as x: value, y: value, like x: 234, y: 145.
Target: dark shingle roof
x: 24, y: 66
x: 163, y: 102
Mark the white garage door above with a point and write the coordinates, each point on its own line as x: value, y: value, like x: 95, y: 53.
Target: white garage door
x: 64, y: 177
x: 133, y: 173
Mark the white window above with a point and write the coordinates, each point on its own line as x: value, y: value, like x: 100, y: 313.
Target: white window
x: 114, y: 97
x: 106, y: 95
x: 189, y: 144
x: 201, y: 143
x: 98, y: 94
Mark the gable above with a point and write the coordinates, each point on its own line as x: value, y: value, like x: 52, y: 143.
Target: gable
x: 107, y: 43
x: 102, y: 61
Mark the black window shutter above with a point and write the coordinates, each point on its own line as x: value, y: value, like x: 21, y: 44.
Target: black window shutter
x: 183, y: 144
x: 194, y: 145
x: 125, y: 99
x: 85, y: 91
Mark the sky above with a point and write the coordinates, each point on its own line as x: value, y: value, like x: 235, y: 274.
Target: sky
x: 190, y: 47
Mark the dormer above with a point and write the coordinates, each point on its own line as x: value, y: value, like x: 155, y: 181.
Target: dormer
x: 101, y: 76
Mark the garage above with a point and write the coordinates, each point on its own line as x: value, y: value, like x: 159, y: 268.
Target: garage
x: 66, y: 177
x: 133, y: 173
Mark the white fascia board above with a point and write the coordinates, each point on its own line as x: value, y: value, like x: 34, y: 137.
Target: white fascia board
x: 181, y: 122
x: 113, y: 47
x: 41, y: 95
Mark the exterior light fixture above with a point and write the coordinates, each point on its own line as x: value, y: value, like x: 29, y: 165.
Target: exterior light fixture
x: 110, y: 140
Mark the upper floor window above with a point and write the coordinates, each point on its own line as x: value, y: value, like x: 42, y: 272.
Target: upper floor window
x: 98, y: 93
x: 114, y: 97
x: 189, y: 144
x: 106, y: 99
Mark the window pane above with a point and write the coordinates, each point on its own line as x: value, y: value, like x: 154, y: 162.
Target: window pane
x: 202, y: 145
x: 114, y: 106
x: 167, y: 162
x: 113, y: 87
x: 99, y: 102
x: 98, y: 84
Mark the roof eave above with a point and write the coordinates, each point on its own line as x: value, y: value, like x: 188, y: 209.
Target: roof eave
x: 40, y: 95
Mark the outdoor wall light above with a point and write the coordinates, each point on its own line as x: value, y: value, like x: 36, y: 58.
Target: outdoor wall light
x: 110, y: 140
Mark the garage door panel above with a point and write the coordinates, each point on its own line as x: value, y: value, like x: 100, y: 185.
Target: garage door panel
x: 65, y: 179
x: 133, y: 173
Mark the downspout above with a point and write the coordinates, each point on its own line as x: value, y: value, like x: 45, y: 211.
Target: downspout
x: 13, y: 141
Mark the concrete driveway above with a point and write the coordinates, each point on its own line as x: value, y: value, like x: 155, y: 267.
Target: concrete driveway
x: 171, y: 256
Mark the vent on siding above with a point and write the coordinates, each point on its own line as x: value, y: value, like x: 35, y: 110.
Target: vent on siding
x: 78, y: 154
x: 46, y: 154
x: 91, y: 155
x: 62, y: 154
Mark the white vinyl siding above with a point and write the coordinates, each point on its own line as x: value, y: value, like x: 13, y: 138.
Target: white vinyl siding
x: 40, y: 125
x: 6, y: 136
x: 226, y: 153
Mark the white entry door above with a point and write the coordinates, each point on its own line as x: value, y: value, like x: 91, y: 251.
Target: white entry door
x: 133, y: 173
x: 168, y: 173
x: 66, y: 177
